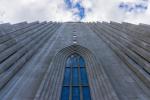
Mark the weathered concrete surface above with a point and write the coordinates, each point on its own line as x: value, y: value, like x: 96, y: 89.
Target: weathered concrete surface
x: 39, y: 75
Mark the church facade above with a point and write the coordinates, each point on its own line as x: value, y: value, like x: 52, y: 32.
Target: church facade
x: 74, y: 61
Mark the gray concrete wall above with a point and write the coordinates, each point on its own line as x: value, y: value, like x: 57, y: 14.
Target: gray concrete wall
x: 40, y: 77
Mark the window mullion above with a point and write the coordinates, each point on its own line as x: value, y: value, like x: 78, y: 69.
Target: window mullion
x: 71, y: 80
x: 80, y: 85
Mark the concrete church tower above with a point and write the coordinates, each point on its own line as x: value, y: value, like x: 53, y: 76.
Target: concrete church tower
x: 74, y: 61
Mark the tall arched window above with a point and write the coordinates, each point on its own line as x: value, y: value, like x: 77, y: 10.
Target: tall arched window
x: 75, y: 83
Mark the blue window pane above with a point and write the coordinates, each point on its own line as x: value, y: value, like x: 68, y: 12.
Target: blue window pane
x: 71, y: 75
x: 76, y: 62
x: 65, y: 93
x: 86, y: 93
x: 75, y: 93
x: 68, y: 64
x: 72, y: 61
x: 75, y: 77
x: 67, y: 76
x: 82, y: 63
x: 84, y: 80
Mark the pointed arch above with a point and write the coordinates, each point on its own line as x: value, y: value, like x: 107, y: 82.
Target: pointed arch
x: 50, y: 88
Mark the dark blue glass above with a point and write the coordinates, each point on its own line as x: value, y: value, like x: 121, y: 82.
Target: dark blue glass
x: 75, y: 69
x: 71, y: 60
x: 75, y: 93
x: 82, y: 63
x: 86, y: 93
x: 84, y: 80
x: 76, y: 62
x: 75, y: 76
x: 68, y: 64
x: 65, y: 93
x: 67, y: 76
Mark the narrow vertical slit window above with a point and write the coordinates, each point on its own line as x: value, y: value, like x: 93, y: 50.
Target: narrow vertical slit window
x: 75, y: 82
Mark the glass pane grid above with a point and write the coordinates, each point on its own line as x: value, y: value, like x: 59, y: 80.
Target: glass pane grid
x: 75, y: 83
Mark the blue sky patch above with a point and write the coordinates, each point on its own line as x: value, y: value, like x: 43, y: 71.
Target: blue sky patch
x: 78, y: 6
x: 137, y: 7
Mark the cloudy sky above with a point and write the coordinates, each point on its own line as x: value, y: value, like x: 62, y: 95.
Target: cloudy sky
x: 133, y: 11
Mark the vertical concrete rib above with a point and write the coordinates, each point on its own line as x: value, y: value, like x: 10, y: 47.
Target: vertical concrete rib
x: 141, y: 74
x: 18, y: 51
x: 31, y: 48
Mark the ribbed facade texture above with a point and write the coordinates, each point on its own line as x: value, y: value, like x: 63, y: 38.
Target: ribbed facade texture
x: 33, y: 58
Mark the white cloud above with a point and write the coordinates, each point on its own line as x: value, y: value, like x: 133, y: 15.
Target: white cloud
x: 107, y: 10
x: 55, y: 10
x: 32, y: 10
